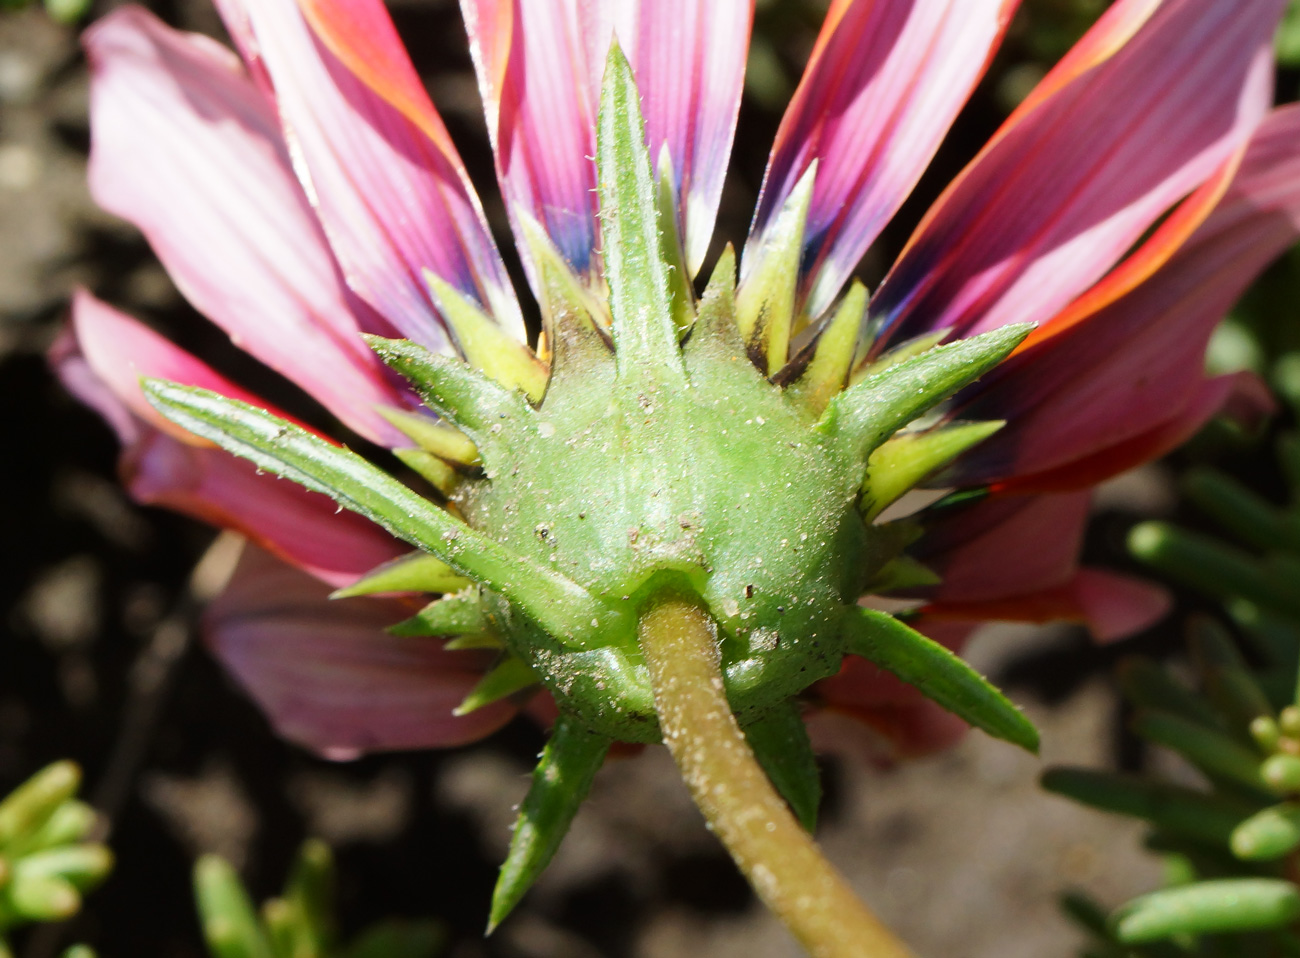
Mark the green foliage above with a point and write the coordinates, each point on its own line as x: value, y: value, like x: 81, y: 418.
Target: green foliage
x: 46, y: 860
x: 64, y: 11
x: 300, y: 923
x: 1232, y: 843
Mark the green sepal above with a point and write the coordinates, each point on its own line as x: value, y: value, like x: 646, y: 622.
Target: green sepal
x: 479, y: 640
x: 29, y: 806
x: 900, y: 463
x: 901, y: 353
x: 715, y: 333
x: 1268, y: 834
x: 1210, y: 566
x: 507, y: 677
x: 1214, y: 752
x: 670, y: 245
x: 230, y: 924
x: 780, y: 742
x: 1225, y: 906
x: 490, y: 414
x: 937, y: 674
x: 399, y: 938
x: 559, y: 605
x: 430, y: 468
x: 1149, y: 685
x: 768, y: 294
x: 866, y: 414
x: 1181, y: 811
x: 414, y: 572
x: 827, y: 370
x: 560, y: 289
x: 640, y: 298
x: 432, y: 436
x: 460, y: 614
x: 1242, y: 512
x: 561, y: 782
x: 486, y: 345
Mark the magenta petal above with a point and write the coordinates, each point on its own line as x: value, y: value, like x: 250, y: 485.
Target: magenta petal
x: 375, y: 161
x: 1134, y: 363
x: 539, y: 68
x: 1116, y: 606
x: 186, y: 148
x: 881, y: 89
x: 330, y: 678
x: 1159, y: 100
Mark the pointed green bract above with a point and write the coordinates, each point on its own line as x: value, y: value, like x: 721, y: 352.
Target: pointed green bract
x: 478, y: 640
x: 489, y: 413
x: 1208, y: 908
x: 780, y: 742
x: 561, y: 782
x: 429, y: 468
x: 413, y: 572
x: 766, y: 300
x: 937, y: 674
x: 828, y: 370
x: 486, y: 345
x: 432, y: 436
x: 454, y: 615
x: 901, y: 463
x: 1213, y: 752
x: 865, y: 415
x: 509, y: 676
x: 645, y: 336
x: 901, y: 572
x: 555, y: 602
x: 901, y: 353
x: 670, y: 245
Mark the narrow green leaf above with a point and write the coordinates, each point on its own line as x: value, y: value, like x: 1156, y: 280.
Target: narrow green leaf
x: 413, y: 572
x: 866, y: 414
x: 1210, y: 566
x: 432, y: 436
x: 827, y: 372
x: 230, y: 925
x: 1242, y: 512
x: 484, y: 344
x: 780, y: 742
x: 397, y: 938
x: 1181, y: 811
x: 561, y: 782
x: 430, y: 468
x: 310, y: 894
x: 1229, y: 905
x: 511, y: 675
x: 645, y: 336
x: 768, y: 293
x: 900, y: 463
x: 1268, y: 834
x: 937, y: 674
x: 31, y: 804
x: 1213, y: 752
x: 1149, y: 685
x: 559, y: 605
x: 489, y: 413
x: 460, y: 614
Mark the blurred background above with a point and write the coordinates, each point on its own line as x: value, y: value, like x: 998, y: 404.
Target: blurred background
x: 961, y: 853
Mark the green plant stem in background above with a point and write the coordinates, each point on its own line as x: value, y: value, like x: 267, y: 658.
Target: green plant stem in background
x: 781, y: 861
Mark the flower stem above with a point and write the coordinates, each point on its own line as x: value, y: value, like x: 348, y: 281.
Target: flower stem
x: 781, y: 861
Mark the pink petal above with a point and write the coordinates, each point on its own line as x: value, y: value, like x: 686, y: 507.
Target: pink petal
x: 1127, y: 361
x: 374, y: 159
x: 883, y: 85
x: 101, y: 359
x: 186, y: 148
x: 1157, y: 100
x: 539, y: 68
x: 329, y: 677
x: 1004, y: 545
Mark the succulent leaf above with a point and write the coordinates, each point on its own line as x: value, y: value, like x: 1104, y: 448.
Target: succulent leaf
x: 1208, y: 908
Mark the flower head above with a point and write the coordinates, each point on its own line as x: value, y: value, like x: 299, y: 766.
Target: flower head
x: 307, y: 192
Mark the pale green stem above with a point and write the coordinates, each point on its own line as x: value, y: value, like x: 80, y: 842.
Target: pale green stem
x: 781, y: 861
